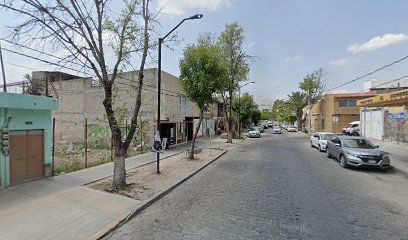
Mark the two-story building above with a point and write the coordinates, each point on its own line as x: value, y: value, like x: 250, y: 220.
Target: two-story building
x: 81, y: 98
x: 334, y: 112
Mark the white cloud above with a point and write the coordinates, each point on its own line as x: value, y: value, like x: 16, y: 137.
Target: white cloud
x: 378, y: 42
x: 180, y: 7
x: 339, y: 62
x: 293, y: 59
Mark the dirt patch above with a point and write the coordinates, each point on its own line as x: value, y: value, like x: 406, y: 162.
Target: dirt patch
x: 143, y: 182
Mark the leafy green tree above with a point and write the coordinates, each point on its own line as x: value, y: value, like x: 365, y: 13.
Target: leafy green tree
x: 266, y: 115
x: 297, y: 101
x: 248, y: 106
x: 87, y: 31
x: 202, y: 73
x: 313, y: 85
x: 281, y: 110
x: 231, y: 43
x: 256, y: 116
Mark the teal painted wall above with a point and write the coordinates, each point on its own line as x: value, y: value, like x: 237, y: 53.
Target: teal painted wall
x: 28, y: 119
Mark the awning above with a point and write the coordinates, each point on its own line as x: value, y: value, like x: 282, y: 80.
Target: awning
x: 398, y: 98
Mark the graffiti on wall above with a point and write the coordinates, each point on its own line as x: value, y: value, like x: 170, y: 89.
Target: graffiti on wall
x: 97, y: 132
x: 396, y: 126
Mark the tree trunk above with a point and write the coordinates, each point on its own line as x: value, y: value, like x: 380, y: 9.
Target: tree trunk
x: 230, y: 130
x: 191, y: 156
x: 119, y: 170
x: 299, y: 119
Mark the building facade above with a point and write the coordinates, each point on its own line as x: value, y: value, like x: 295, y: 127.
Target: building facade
x: 25, y: 129
x: 82, y: 98
x: 334, y: 112
x: 385, y: 117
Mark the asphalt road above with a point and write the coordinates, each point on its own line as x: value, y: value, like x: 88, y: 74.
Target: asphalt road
x: 277, y: 187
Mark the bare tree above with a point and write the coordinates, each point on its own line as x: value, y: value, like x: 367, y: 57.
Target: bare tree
x: 86, y: 30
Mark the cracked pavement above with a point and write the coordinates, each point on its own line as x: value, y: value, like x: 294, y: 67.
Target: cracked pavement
x: 277, y: 187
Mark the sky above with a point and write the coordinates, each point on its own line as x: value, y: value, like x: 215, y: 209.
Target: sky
x: 292, y: 38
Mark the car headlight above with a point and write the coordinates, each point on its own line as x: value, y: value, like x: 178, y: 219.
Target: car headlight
x: 352, y: 154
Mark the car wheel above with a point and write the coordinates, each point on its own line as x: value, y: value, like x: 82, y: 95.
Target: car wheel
x: 311, y: 144
x: 343, y: 161
x: 328, y: 154
x: 356, y: 134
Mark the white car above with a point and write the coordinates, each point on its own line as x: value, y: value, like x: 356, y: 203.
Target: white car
x: 277, y: 129
x: 254, y: 132
x: 291, y: 129
x: 319, y: 140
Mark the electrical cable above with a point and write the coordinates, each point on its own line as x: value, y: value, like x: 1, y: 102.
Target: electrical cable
x: 368, y: 74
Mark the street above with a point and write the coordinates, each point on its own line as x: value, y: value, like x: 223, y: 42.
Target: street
x: 277, y: 187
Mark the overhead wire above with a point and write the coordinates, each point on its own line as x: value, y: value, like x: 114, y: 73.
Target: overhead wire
x: 368, y: 74
x: 92, y: 76
x: 61, y: 59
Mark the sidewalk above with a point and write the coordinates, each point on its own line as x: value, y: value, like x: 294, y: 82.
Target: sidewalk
x: 398, y: 154
x: 61, y: 208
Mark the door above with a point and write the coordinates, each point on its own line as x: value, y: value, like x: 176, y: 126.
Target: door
x: 26, y: 155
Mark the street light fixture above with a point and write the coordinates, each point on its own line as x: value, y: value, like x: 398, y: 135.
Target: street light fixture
x: 196, y: 16
x: 239, y: 106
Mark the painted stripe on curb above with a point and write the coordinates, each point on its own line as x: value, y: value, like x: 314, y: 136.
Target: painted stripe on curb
x: 154, y: 199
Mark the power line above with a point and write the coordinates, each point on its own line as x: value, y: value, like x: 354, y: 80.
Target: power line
x: 16, y: 65
x: 368, y: 74
x: 391, y: 81
x: 56, y: 64
x: 61, y: 59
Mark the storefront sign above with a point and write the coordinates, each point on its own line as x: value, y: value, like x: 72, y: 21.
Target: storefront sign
x: 384, y: 99
x: 396, y: 116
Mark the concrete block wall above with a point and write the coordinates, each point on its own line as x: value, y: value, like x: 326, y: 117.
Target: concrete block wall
x: 83, y: 98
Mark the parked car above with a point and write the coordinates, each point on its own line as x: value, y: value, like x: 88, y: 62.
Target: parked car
x: 270, y: 124
x: 261, y: 128
x: 277, y: 130
x: 356, y: 152
x: 291, y: 128
x: 319, y: 140
x: 254, y: 132
x: 352, y: 129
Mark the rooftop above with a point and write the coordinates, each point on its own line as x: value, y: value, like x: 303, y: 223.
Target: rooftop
x: 341, y: 95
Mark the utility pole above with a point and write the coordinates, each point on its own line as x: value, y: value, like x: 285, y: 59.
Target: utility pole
x: 310, y: 112
x: 2, y: 70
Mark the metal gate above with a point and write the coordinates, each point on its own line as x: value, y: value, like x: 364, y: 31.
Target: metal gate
x: 373, y: 123
x: 26, y: 155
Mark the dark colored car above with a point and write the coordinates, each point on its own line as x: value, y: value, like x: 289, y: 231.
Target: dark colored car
x: 356, y: 152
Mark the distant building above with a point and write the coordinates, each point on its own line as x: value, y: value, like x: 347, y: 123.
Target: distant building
x: 334, y: 112
x: 378, y: 87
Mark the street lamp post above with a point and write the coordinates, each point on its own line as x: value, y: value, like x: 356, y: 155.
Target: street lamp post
x: 197, y: 16
x: 239, y: 107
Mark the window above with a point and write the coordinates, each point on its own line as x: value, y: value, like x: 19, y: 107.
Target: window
x: 347, y: 103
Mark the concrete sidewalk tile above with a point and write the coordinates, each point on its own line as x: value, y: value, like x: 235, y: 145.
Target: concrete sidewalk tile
x: 76, y: 213
x: 60, y: 208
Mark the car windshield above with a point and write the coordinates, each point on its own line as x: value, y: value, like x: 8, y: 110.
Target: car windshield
x: 358, y: 143
x: 254, y: 129
x: 327, y: 136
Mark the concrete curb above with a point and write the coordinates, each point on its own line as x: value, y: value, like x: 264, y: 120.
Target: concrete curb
x: 152, y: 200
x: 141, y: 165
